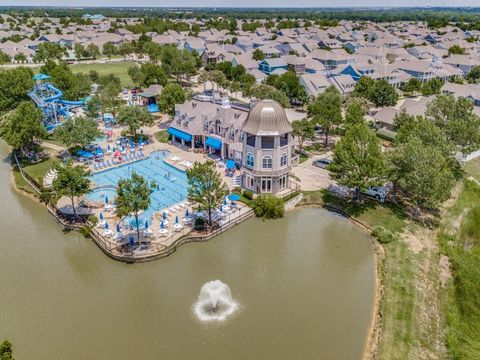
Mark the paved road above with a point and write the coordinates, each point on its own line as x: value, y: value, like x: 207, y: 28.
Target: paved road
x: 312, y: 177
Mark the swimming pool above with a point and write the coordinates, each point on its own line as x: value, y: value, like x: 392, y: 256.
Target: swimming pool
x: 171, y: 183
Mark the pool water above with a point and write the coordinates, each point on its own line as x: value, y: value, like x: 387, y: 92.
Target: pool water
x: 171, y: 183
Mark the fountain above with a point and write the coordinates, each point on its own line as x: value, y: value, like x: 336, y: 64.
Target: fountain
x: 215, y: 302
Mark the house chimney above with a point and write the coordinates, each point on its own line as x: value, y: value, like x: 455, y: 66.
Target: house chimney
x: 226, y: 103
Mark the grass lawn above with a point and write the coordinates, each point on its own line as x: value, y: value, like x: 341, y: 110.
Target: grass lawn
x: 303, y: 158
x: 22, y: 184
x: 117, y: 68
x: 163, y: 136
x: 472, y: 168
x: 38, y: 170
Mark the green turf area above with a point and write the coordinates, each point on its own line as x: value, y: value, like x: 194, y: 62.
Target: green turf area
x: 472, y: 168
x: 38, y: 170
x: 460, y: 241
x: 117, y: 68
x: 21, y: 184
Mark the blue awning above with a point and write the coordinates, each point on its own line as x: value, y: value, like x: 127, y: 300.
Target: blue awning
x: 230, y: 164
x: 180, y: 134
x: 214, y: 143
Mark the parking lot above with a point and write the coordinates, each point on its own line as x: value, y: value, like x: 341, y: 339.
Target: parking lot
x: 312, y: 177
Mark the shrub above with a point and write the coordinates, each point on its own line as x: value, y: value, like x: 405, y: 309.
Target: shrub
x: 199, y: 223
x: 247, y: 194
x: 383, y: 235
x: 93, y: 219
x: 268, y: 207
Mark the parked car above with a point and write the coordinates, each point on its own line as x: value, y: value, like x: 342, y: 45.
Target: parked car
x: 322, y: 163
x: 378, y: 192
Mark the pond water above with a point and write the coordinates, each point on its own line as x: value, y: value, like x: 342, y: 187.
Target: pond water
x: 303, y: 288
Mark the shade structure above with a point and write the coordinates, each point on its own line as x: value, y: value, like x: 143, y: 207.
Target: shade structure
x: 87, y: 154
x: 164, y: 216
x: 41, y: 76
x: 234, y: 197
x: 180, y: 134
x: 101, y: 216
x: 132, y: 240
x: 99, y: 152
x: 176, y: 219
x: 117, y: 153
x: 162, y: 226
x: 118, y: 228
x: 106, y: 225
x: 187, y: 213
x: 214, y: 143
x: 146, y: 224
x: 225, y: 201
x: 230, y: 164
x: 106, y: 199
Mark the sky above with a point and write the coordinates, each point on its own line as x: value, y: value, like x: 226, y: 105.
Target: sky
x: 244, y: 3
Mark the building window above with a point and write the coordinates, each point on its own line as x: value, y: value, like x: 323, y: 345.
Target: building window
x: 250, y: 161
x: 267, y: 162
x: 266, y: 185
x: 283, y: 182
x: 268, y: 142
x: 251, y: 140
x: 283, y: 159
x: 283, y: 140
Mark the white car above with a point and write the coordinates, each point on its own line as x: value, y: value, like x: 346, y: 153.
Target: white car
x: 378, y: 192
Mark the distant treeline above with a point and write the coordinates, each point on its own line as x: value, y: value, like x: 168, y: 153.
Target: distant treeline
x: 466, y: 18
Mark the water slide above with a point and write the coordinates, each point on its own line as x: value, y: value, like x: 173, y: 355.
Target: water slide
x: 57, y: 93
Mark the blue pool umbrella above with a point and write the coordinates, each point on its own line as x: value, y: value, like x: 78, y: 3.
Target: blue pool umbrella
x: 108, y: 147
x: 87, y: 154
x: 221, y: 207
x: 132, y: 240
x: 176, y: 219
x: 225, y: 201
x: 164, y: 216
x: 118, y: 228
x: 106, y: 199
x: 99, y: 152
x: 140, y: 142
x: 101, y: 216
x: 230, y: 164
x: 234, y: 197
x: 162, y: 226
x: 146, y: 224
x: 187, y: 214
x: 106, y: 225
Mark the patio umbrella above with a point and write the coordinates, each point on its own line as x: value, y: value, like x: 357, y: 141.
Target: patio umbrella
x: 106, y: 199
x: 146, y: 224
x: 230, y: 164
x: 225, y: 201
x: 162, y: 226
x: 101, y: 216
x: 130, y: 142
x: 164, y: 216
x: 106, y: 225
x: 176, y: 219
x: 117, y: 153
x: 132, y: 240
x: 87, y: 155
x: 118, y: 228
x: 187, y: 214
x: 108, y: 147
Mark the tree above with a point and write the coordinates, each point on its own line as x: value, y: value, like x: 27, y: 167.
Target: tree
x: 456, y: 50
x: 73, y: 86
x: 153, y: 74
x: 79, y: 50
x: 6, y: 351
x: 412, y: 85
x: 134, y: 117
x: 258, y: 55
x: 71, y: 181
x: 171, y: 95
x: 457, y: 119
x: 15, y: 85
x: 357, y: 159
x: 206, y: 187
x: 135, y: 74
x: 92, y: 50
x: 133, y: 196
x: 20, y: 57
x: 49, y: 51
x: 92, y: 107
x: 326, y: 110
x: 79, y: 131
x: 355, y: 114
x: 263, y: 91
x: 474, y: 75
x: 303, y: 129
x: 423, y: 172
x: 267, y: 206
x: 20, y: 128
x: 109, y: 49
x: 126, y: 48
x: 363, y: 87
x: 383, y: 94
x: 4, y: 58
x: 432, y: 87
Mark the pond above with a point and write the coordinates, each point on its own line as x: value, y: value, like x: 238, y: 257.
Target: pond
x: 303, y: 288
